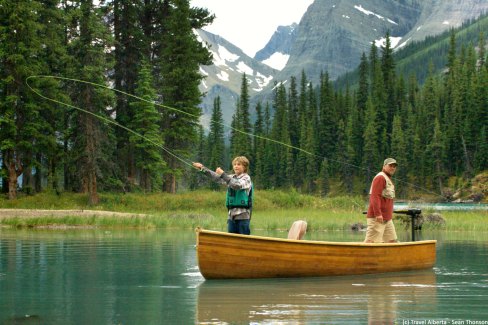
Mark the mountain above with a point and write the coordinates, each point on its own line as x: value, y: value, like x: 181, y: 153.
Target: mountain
x: 224, y: 77
x: 331, y: 37
x: 277, y: 52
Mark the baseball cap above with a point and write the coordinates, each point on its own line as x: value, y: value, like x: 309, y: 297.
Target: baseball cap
x: 390, y: 161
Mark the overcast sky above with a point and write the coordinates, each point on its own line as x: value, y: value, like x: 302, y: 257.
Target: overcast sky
x: 249, y: 24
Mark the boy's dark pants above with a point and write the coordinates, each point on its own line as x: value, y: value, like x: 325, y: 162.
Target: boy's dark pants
x: 239, y: 226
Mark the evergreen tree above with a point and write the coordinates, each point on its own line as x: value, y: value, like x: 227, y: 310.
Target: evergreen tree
x: 180, y: 55
x: 399, y: 150
x: 293, y: 107
x: 312, y: 164
x: 357, y: 122
x: 371, y: 157
x: 20, y: 50
x: 279, y: 133
x: 350, y: 165
x: 389, y: 83
x: 48, y: 156
x: 435, y: 153
x: 234, y: 133
x: 259, y: 144
x: 147, y: 156
x: 131, y: 44
x: 242, y: 142
x: 324, y: 178
x: 197, y: 179
x: 481, y: 155
x: 93, y: 139
x: 215, y: 141
x: 379, y: 100
x: 268, y: 160
x: 328, y: 119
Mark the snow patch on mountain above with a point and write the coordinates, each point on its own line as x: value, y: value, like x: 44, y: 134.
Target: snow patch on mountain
x: 222, y: 75
x: 244, y: 68
x: 367, y: 12
x: 393, y: 42
x: 223, y: 55
x: 277, y: 61
x: 262, y: 81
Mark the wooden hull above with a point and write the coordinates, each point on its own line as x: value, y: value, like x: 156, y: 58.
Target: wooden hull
x: 230, y: 256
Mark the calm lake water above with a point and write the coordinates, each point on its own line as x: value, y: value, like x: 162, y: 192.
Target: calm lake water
x: 151, y: 277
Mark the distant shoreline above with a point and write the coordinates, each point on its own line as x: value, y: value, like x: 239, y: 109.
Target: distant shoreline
x: 33, y: 213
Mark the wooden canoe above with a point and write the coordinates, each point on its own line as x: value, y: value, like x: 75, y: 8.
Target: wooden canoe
x: 231, y: 256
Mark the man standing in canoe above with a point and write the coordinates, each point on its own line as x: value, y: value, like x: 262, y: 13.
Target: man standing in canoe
x: 239, y: 193
x: 380, y: 227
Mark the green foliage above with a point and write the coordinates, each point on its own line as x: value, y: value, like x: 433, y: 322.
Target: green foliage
x: 147, y: 150
x: 434, y: 123
x: 435, y: 130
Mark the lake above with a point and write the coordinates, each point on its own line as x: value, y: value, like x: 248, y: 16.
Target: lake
x: 446, y: 206
x: 87, y: 276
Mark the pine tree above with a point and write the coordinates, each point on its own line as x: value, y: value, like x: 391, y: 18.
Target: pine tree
x: 147, y: 155
x: 389, y: 83
x: 328, y: 119
x: 179, y: 57
x: 371, y: 157
x: 131, y: 44
x: 20, y: 50
x: 48, y: 156
x: 242, y: 143
x: 215, y: 146
x: 268, y: 160
x: 435, y: 152
x: 399, y: 150
x: 379, y: 100
x: 481, y: 156
x: 324, y: 178
x: 195, y: 179
x: 311, y: 142
x: 259, y: 144
x: 279, y: 133
x: 357, y: 122
x: 234, y: 133
x: 92, y: 143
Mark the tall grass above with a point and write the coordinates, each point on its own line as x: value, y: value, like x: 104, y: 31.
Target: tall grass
x: 273, y: 210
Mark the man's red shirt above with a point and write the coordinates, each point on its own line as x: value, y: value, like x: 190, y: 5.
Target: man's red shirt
x: 379, y: 205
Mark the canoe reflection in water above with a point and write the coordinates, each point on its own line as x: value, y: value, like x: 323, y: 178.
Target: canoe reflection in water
x: 372, y: 299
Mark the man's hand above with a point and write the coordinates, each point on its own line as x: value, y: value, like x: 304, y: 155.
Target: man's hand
x: 379, y: 219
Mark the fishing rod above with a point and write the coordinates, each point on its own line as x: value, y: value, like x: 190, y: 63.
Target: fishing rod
x: 186, y: 162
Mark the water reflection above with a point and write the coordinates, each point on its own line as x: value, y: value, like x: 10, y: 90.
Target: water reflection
x: 372, y: 299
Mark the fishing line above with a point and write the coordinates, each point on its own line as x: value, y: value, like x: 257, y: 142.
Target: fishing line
x: 186, y: 113
x: 103, y: 118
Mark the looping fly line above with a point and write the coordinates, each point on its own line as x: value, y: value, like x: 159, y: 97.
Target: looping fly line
x: 103, y: 118
x: 179, y: 111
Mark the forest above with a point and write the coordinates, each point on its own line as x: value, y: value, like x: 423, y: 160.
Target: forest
x: 142, y: 137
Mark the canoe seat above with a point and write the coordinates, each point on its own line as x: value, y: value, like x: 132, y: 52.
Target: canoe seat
x: 297, y: 230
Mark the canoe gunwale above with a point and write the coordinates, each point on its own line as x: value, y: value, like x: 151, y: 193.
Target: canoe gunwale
x: 317, y: 242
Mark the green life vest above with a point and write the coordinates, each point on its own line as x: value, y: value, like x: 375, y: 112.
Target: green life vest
x: 238, y: 198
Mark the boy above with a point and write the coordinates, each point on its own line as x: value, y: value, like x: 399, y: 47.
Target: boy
x: 239, y: 193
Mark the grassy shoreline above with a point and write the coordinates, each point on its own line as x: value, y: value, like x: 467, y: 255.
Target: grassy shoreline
x: 273, y: 210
